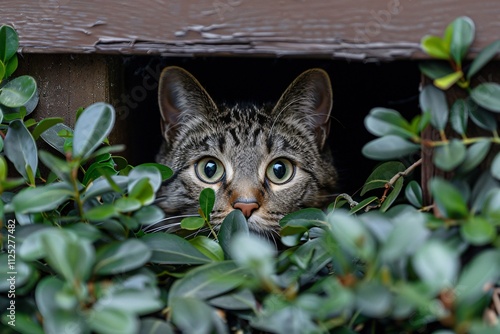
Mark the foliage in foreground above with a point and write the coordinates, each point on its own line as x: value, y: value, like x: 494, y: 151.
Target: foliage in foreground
x: 85, y: 262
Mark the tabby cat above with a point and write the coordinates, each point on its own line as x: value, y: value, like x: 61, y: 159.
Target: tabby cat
x: 265, y: 161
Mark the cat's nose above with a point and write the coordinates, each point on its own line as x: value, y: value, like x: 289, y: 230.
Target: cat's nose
x: 247, y: 208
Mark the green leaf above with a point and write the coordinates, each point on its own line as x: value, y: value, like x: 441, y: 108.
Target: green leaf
x: 22, y: 269
x: 393, y: 195
x: 234, y: 223
x: 481, y: 188
x: 458, y: 116
x: 2, y: 70
x: 239, y: 300
x: 105, y: 185
x: 127, y: 204
x: 389, y: 147
x: 483, y: 270
x: 207, y: 201
x: 478, y: 231
x: 311, y: 214
x: 9, y: 43
x: 11, y: 66
x: 433, y: 100
x: 407, y: 235
x: 149, y: 215
x: 108, y: 320
x: 382, y: 121
x: 373, y: 298
x: 119, y: 257
x: 482, y: 117
x: 495, y: 167
x: 20, y: 148
x: 437, y: 265
x: 208, y: 281
x: 413, y: 193
x: 32, y: 248
x: 155, y: 326
x: 486, y: 54
x: 151, y: 173
x: 44, y: 125
x: 135, y: 301
x: 172, y: 249
x: 449, y: 200
x: 98, y: 169
x: 435, y: 69
x: 463, y: 31
x: 253, y: 253
x: 42, y: 198
x: 487, y: 95
x: 108, y: 149
x: 192, y: 223
x: 351, y: 235
x: 448, y: 80
x: 290, y: 320
x: 51, y: 136
x: 94, y: 124
x: 435, y: 47
x: 100, y: 213
x: 58, y: 166
x: 70, y: 257
x: 449, y: 156
x: 363, y: 204
x: 3, y: 169
x: 382, y: 175
x: 209, y: 247
x: 166, y: 172
x: 491, y: 207
x: 143, y: 191
x: 474, y: 156
x: 25, y: 323
x: 18, y: 92
x: 192, y: 315
x: 56, y: 319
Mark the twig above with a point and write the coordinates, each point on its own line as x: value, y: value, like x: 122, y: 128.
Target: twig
x: 396, y: 177
x: 352, y: 203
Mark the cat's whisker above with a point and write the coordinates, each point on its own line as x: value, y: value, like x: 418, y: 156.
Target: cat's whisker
x: 199, y: 231
x: 167, y: 219
x: 169, y: 227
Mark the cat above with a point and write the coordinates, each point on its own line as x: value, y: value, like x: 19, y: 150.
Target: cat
x: 265, y: 161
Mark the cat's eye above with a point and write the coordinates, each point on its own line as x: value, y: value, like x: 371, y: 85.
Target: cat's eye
x: 280, y: 171
x: 209, y: 170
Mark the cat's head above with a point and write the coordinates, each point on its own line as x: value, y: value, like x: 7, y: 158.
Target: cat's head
x: 266, y: 161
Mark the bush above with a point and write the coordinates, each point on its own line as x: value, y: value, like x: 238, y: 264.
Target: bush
x: 77, y: 256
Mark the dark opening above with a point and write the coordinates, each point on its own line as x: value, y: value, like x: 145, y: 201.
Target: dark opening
x: 357, y: 88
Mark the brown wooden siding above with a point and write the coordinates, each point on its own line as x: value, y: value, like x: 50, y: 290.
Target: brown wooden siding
x: 359, y: 30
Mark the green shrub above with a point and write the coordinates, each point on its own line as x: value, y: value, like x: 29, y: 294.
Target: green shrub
x: 77, y: 257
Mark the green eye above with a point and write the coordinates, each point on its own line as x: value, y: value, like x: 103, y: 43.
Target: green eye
x: 280, y: 171
x: 209, y: 170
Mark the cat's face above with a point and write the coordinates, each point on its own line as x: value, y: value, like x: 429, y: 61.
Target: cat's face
x: 264, y: 161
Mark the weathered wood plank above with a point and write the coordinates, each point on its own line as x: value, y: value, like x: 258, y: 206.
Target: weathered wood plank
x: 360, y: 29
x: 68, y: 82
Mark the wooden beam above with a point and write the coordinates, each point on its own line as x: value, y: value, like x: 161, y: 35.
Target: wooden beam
x: 359, y: 29
x: 68, y: 82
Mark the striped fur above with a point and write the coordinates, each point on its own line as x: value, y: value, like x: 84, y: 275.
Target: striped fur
x: 246, y: 138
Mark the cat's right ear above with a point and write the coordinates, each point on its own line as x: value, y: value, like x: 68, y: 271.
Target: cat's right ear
x: 181, y: 97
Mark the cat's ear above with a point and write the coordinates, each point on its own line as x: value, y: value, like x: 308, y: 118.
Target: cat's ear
x: 308, y: 99
x: 181, y: 97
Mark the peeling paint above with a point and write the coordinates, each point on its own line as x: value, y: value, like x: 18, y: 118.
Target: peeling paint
x: 358, y: 30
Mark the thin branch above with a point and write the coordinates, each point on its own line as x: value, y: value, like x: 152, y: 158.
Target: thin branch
x: 396, y: 177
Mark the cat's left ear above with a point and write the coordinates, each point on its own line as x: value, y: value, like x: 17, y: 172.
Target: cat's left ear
x: 309, y: 99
